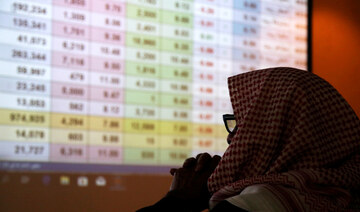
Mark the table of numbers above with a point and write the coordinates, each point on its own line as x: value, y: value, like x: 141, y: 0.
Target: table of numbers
x: 132, y: 81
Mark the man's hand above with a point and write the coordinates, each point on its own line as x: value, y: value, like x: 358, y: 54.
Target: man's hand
x: 190, y: 181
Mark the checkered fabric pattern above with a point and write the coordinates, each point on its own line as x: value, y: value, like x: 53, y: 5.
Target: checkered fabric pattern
x: 297, y: 135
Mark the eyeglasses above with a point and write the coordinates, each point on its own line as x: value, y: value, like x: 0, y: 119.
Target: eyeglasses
x: 230, y: 123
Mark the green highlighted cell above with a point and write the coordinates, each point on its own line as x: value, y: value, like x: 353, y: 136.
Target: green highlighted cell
x: 173, y: 157
x: 141, y: 126
x: 142, y: 41
x: 176, y: 100
x: 178, y: 19
x: 176, y: 114
x: 155, y: 156
x: 157, y: 43
x: 141, y: 97
x: 156, y: 71
x: 141, y: 156
x: 143, y: 13
x: 177, y: 73
x: 178, y: 6
x: 142, y: 69
x: 144, y: 84
x: 175, y: 59
x: 174, y: 45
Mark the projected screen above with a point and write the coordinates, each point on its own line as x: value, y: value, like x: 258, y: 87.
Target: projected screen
x: 136, y: 83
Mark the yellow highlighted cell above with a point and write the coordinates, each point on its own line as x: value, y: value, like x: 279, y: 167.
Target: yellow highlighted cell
x: 106, y: 124
x: 69, y: 136
x: 141, y: 140
x: 204, y: 143
x: 176, y: 128
x: 25, y: 118
x: 221, y: 145
x: 20, y: 133
x: 204, y: 130
x: 69, y: 121
x: 141, y: 126
x: 105, y: 138
x: 221, y: 131
x: 175, y: 142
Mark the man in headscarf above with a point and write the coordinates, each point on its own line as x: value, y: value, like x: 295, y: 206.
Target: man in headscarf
x: 295, y: 147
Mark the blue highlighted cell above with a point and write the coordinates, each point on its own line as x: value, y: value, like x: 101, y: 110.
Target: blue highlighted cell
x: 19, y: 54
x: 25, y: 23
x: 248, y: 5
x: 246, y: 55
x: 246, y: 29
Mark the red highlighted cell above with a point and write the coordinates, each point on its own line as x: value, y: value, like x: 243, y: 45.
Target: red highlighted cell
x: 71, y: 30
x: 102, y: 154
x: 69, y: 90
x: 102, y: 64
x: 109, y: 7
x: 107, y: 36
x: 107, y: 94
x: 76, y: 61
x: 68, y: 153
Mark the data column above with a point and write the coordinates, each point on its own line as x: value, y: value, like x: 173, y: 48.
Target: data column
x: 70, y: 77
x: 300, y: 29
x: 205, y: 69
x: 107, y: 81
x: 25, y: 29
x: 224, y: 54
x: 141, y: 140
x: 246, y: 32
x: 176, y: 84
x: 277, y: 42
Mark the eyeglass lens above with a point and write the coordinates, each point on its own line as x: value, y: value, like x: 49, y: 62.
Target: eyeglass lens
x: 231, y: 124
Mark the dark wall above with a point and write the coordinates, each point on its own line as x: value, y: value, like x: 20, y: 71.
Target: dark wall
x: 336, y: 46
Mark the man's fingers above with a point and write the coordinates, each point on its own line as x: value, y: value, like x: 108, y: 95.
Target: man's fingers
x: 198, y: 155
x: 214, y: 162
x: 189, y: 163
x: 172, y: 171
x: 202, y: 161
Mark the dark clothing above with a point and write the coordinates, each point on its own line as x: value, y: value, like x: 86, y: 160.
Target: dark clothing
x: 173, y: 204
